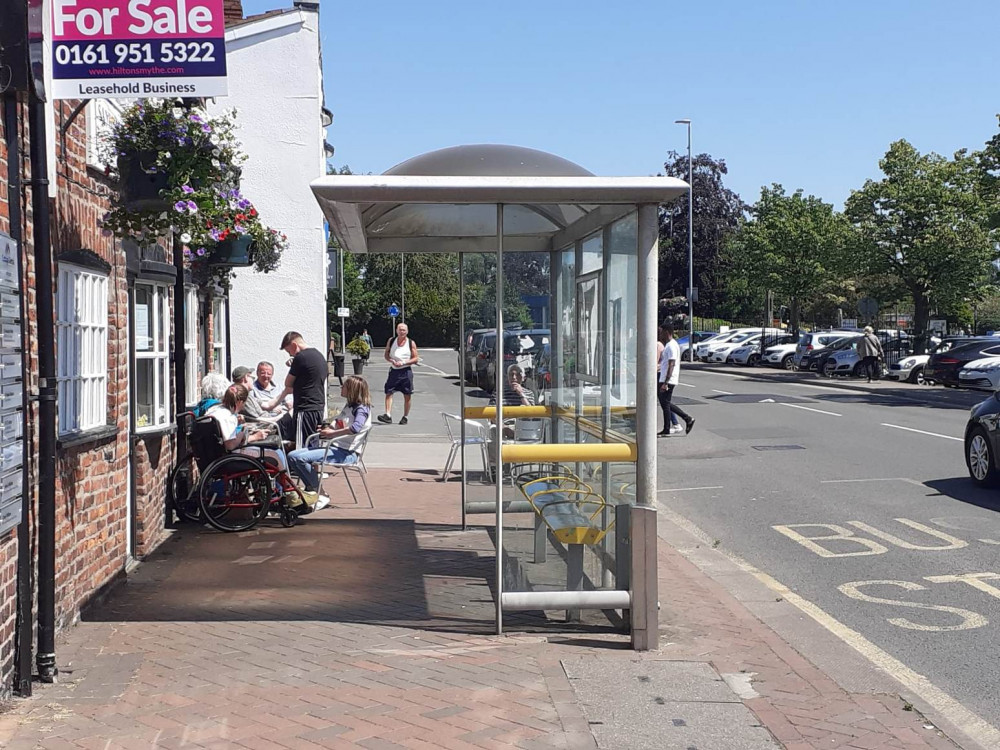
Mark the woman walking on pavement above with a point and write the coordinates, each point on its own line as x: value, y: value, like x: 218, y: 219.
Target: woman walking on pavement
x: 401, y: 354
x: 870, y: 352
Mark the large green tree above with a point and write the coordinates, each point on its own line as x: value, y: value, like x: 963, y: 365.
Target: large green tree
x: 927, y: 224
x: 716, y: 215
x: 792, y: 245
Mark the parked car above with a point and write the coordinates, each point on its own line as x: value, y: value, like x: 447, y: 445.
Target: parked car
x: 780, y: 355
x: 728, y: 341
x: 981, y: 442
x: 809, y: 342
x: 846, y: 361
x: 701, y: 350
x: 699, y: 337
x: 981, y: 374
x: 749, y: 353
x: 943, y: 366
x: 812, y: 359
x: 911, y: 368
x: 486, y: 357
x: 720, y: 352
x: 472, y: 341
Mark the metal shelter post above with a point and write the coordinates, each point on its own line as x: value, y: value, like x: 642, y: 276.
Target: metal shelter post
x: 645, y: 621
x: 461, y: 376
x: 498, y: 440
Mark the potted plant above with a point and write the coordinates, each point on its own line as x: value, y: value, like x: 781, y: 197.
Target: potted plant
x: 359, y: 350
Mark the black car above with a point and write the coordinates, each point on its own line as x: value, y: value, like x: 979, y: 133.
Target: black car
x: 982, y: 434
x: 811, y: 359
x: 943, y: 366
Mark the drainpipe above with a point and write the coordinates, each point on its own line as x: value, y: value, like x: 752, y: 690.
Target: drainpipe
x: 45, y: 658
x: 25, y: 570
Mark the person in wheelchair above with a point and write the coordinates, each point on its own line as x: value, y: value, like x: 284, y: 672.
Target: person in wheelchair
x: 213, y: 387
x: 346, y: 435
x: 226, y: 413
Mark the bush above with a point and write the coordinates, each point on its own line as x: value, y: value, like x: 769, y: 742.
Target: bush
x: 358, y: 347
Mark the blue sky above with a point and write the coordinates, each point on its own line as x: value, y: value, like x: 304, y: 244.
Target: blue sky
x: 809, y: 94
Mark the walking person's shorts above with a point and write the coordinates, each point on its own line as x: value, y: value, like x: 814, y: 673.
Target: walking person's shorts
x: 400, y: 381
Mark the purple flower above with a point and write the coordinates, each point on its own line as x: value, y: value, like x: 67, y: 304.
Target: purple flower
x: 181, y: 206
x: 106, y: 232
x: 187, y: 189
x: 194, y: 118
x: 201, y: 251
x: 244, y: 204
x: 192, y: 207
x: 187, y: 252
x: 240, y: 229
x: 206, y: 128
x: 215, y: 234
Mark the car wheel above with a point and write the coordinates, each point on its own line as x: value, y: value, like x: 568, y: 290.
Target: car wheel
x: 788, y: 363
x: 753, y: 360
x: 828, y: 369
x: 979, y: 458
x: 917, y: 376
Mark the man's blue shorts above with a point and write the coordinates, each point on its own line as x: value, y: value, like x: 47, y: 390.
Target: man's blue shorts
x: 399, y: 381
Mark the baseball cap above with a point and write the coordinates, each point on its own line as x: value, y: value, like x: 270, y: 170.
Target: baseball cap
x: 240, y: 372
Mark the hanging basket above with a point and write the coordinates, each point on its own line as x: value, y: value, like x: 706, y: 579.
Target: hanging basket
x: 232, y: 252
x: 141, y: 187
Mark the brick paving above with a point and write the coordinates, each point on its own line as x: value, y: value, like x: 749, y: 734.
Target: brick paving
x: 372, y: 627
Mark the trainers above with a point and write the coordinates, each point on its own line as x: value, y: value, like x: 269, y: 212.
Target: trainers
x: 384, y: 419
x: 322, y: 502
x: 675, y: 429
x: 687, y: 429
x: 404, y: 420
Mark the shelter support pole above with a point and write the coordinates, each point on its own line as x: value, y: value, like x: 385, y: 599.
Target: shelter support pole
x: 645, y: 595
x: 498, y: 440
x: 461, y: 377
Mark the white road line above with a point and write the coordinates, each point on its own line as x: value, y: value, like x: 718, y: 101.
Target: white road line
x: 922, y: 432
x: 962, y: 718
x: 809, y: 408
x: 724, y: 393
x: 692, y: 489
x: 432, y: 367
x: 846, y: 481
x: 821, y: 387
x: 687, y: 385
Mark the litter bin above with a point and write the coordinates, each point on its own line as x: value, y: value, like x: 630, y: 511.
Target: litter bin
x: 338, y: 366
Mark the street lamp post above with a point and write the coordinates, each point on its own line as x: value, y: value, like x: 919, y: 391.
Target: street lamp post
x: 690, y: 294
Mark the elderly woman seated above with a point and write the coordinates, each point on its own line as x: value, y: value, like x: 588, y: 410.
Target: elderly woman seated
x: 213, y: 386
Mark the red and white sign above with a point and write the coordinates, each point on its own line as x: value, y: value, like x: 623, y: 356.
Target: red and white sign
x: 137, y: 49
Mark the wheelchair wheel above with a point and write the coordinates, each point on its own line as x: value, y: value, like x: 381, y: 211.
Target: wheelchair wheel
x: 235, y: 493
x: 183, y: 490
x: 288, y: 517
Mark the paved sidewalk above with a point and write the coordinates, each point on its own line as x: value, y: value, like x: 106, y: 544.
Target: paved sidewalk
x: 372, y: 627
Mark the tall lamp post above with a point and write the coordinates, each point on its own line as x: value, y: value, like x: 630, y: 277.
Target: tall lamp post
x: 690, y: 294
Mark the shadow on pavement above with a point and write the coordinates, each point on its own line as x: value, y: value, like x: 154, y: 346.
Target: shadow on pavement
x: 964, y: 490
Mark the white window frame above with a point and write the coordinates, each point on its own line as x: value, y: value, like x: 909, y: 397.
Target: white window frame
x: 220, y: 362
x: 192, y: 365
x: 82, y: 348
x: 158, y: 326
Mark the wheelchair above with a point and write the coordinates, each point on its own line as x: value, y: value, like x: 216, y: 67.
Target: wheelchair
x: 232, y: 491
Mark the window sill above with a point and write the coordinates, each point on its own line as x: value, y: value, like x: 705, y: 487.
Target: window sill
x: 97, y: 435
x: 158, y: 431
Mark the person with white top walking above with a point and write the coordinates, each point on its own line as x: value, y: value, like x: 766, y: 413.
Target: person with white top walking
x: 670, y: 372
x: 401, y: 354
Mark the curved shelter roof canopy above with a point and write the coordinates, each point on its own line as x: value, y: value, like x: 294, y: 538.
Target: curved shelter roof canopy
x: 443, y: 201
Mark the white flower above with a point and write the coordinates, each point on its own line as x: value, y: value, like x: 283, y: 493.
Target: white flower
x: 215, y: 163
x: 178, y: 113
x: 214, y: 139
x: 216, y: 152
x: 166, y: 154
x: 185, y: 238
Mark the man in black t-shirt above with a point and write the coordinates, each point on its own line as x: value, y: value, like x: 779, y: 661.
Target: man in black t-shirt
x: 306, y: 381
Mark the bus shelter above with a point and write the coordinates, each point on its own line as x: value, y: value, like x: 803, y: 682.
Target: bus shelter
x: 571, y: 480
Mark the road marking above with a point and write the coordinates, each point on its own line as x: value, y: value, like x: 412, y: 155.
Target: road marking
x: 821, y: 387
x: 962, y: 718
x: 922, y: 432
x: 432, y: 367
x: 692, y: 489
x: 724, y: 393
x: 846, y: 481
x: 687, y: 385
x: 809, y: 408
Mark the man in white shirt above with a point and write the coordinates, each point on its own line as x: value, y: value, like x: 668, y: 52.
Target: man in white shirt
x: 670, y: 371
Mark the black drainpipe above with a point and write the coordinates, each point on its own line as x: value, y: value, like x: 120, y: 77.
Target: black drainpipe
x: 45, y: 659
x: 25, y: 584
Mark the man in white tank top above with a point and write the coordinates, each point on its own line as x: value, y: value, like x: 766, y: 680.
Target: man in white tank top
x: 401, y: 354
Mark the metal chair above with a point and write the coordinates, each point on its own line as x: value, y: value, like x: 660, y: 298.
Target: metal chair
x: 358, y: 466
x: 476, y: 433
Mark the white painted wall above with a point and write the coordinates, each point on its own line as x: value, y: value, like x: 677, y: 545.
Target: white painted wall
x: 276, y: 84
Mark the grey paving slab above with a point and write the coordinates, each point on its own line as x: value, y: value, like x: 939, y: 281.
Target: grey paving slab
x: 648, y: 679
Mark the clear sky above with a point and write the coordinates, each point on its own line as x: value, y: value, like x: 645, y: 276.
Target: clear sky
x: 807, y: 93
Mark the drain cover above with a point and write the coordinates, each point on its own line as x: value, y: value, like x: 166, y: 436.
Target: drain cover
x: 778, y: 447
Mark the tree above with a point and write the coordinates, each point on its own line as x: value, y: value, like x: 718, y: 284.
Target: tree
x: 717, y: 211
x: 926, y: 223
x: 792, y: 245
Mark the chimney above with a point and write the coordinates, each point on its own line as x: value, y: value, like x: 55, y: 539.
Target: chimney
x: 232, y: 11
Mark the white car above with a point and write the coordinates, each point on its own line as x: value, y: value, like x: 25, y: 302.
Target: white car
x: 720, y: 352
x: 780, y: 355
x: 981, y: 374
x: 747, y: 354
x: 909, y: 369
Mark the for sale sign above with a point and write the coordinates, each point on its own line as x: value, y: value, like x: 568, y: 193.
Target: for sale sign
x: 107, y: 49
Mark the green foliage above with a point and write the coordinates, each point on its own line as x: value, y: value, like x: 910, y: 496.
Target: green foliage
x: 792, y: 245
x: 358, y: 347
x: 927, y: 223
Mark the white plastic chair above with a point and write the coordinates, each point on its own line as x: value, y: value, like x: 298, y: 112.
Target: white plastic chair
x: 476, y: 433
x: 358, y: 466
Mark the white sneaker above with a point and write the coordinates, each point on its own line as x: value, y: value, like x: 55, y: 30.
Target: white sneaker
x: 321, y: 503
x: 676, y: 428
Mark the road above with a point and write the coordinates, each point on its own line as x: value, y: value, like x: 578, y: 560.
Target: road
x: 860, y: 505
